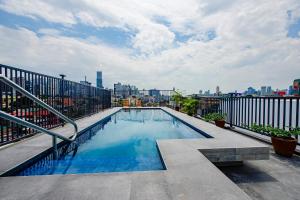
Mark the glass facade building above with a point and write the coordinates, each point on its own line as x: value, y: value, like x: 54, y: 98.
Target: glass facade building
x: 99, y: 79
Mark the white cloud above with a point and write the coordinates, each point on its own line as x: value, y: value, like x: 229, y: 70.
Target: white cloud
x: 89, y: 19
x: 39, y: 8
x: 49, y: 31
x: 153, y: 39
x: 251, y: 47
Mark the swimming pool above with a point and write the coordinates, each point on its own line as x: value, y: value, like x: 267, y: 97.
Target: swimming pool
x: 124, y: 141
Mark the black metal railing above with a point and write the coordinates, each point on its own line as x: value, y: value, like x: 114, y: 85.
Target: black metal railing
x: 73, y: 99
x: 244, y: 111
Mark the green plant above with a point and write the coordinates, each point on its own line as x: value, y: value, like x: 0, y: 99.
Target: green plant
x: 190, y: 106
x: 207, y: 117
x: 275, y: 132
x: 214, y: 117
x: 178, y: 98
x: 295, y: 131
x: 258, y: 128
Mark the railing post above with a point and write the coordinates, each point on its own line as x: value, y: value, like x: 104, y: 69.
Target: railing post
x: 54, y: 144
x: 62, y: 96
x: 230, y: 109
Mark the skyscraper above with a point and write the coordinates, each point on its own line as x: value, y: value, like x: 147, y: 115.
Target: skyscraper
x: 269, y: 90
x: 263, y: 90
x: 154, y: 92
x: 124, y: 91
x: 99, y: 79
x: 217, y: 90
x: 296, y: 86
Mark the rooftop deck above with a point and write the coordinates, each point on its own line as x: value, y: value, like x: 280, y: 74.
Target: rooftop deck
x: 190, y: 173
x: 274, y: 179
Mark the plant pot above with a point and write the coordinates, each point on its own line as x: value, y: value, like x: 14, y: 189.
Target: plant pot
x: 220, y: 123
x: 190, y: 114
x: 177, y: 108
x: 284, y: 146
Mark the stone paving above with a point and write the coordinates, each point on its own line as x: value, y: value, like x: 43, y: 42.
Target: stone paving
x: 190, y: 172
x: 274, y: 179
x: 225, y: 146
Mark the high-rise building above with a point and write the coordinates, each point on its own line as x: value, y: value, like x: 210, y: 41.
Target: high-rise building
x: 291, y: 90
x: 124, y: 91
x: 263, y: 91
x: 269, y: 90
x: 207, y: 93
x: 296, y: 86
x: 154, y: 92
x: 99, y: 79
x: 250, y: 91
x: 218, y: 91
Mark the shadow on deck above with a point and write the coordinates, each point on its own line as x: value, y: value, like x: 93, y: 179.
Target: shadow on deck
x: 277, y: 178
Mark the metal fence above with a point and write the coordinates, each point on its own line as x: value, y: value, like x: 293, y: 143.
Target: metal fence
x: 281, y: 112
x: 73, y: 99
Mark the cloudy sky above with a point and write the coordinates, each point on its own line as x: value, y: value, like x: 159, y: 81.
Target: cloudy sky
x: 189, y: 45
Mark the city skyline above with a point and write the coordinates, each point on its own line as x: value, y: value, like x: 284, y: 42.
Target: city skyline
x: 133, y: 99
x: 187, y: 47
x: 129, y: 89
x: 260, y: 91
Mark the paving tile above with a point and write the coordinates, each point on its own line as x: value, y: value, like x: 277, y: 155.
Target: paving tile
x: 189, y: 174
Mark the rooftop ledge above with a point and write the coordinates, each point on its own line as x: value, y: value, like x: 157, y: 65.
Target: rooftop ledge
x: 190, y: 172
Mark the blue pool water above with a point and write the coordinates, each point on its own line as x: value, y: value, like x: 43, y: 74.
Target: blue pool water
x: 126, y: 141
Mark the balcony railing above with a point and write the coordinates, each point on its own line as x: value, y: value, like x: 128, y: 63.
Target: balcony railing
x: 73, y: 99
x: 281, y: 112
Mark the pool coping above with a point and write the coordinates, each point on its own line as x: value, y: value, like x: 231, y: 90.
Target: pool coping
x: 225, y: 145
x: 190, y: 173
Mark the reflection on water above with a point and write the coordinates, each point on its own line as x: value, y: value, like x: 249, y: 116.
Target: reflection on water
x: 141, y: 116
x: 126, y: 141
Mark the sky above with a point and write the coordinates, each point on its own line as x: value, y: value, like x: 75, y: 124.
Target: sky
x: 191, y: 45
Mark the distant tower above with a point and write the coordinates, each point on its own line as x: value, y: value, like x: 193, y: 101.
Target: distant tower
x: 99, y: 79
x: 217, y: 90
x: 263, y: 90
x: 296, y: 86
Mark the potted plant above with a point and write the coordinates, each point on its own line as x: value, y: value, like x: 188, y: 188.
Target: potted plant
x: 177, y: 98
x: 282, y: 141
x: 218, y: 118
x: 207, y: 117
x: 190, y: 106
